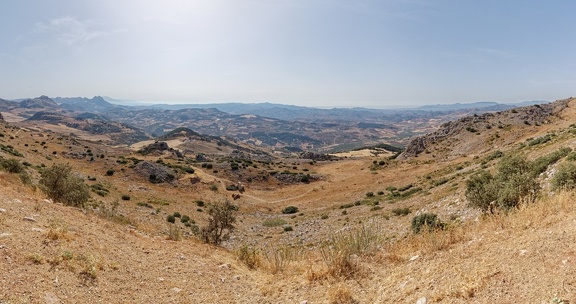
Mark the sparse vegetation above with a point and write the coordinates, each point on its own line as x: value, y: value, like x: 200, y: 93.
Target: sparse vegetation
x: 59, y: 183
x: 565, y: 178
x: 514, y: 182
x: 290, y: 210
x: 428, y: 220
x: 220, y: 223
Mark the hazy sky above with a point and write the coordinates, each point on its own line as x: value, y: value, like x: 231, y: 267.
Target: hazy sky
x: 305, y: 52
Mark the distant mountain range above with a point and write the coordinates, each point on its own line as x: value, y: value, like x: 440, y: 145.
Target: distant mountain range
x: 276, y: 126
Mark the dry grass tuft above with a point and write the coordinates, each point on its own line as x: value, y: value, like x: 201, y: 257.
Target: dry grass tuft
x: 58, y: 231
x: 340, y: 294
x: 174, y: 233
x: 279, y: 258
x: 249, y: 256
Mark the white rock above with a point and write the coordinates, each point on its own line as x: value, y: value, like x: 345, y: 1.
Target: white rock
x: 29, y: 219
x: 5, y: 234
x: 2, y: 210
x: 414, y: 258
x: 51, y: 298
x: 17, y: 201
x: 422, y: 300
x: 36, y: 229
x: 523, y: 251
x: 176, y: 289
x: 161, y: 279
x: 304, y: 302
x: 47, y: 201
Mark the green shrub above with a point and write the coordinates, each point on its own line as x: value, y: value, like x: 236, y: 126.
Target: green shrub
x: 125, y: 197
x: 401, y: 211
x: 200, y: 203
x: 177, y: 214
x: 324, y: 216
x: 540, y: 140
x: 515, y: 181
x: 369, y: 194
x: 62, y: 186
x: 290, y: 210
x: 185, y: 219
x: 429, y: 220
x: 288, y: 228
x: 565, y: 178
x: 110, y: 172
x: 11, y: 165
x: 170, y: 218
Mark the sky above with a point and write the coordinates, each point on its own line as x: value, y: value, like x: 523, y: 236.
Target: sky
x: 323, y: 53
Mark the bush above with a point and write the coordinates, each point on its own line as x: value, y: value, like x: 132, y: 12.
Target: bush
x: 171, y: 219
x: 429, y: 220
x: 515, y: 181
x: 290, y: 210
x: 481, y: 191
x: 62, y: 186
x: 110, y: 172
x: 288, y: 229
x: 401, y: 211
x: 11, y: 165
x: 369, y: 194
x: 185, y: 219
x: 200, y: 203
x: 565, y: 178
x: 177, y: 214
x: 125, y: 197
x: 220, y: 223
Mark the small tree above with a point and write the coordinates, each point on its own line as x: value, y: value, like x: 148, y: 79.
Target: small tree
x: 62, y: 186
x: 220, y: 223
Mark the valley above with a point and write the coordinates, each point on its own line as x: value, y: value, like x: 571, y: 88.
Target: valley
x: 311, y: 225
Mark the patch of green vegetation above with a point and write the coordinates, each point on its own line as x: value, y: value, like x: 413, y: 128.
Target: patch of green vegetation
x: 158, y: 202
x: 99, y: 189
x: 540, y: 140
x: 401, y: 211
x: 10, y: 150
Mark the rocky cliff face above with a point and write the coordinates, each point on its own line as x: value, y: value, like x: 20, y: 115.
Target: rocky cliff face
x: 486, y: 123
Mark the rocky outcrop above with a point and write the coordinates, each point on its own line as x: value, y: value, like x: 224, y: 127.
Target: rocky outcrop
x: 159, y: 148
x: 155, y: 173
x: 525, y: 116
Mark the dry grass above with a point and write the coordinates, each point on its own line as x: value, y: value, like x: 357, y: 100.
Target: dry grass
x: 249, y: 256
x: 174, y: 233
x: 340, y: 294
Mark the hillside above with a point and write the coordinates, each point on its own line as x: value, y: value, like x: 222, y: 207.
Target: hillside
x: 350, y: 240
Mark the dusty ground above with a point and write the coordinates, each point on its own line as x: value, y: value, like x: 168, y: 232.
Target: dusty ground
x: 51, y: 253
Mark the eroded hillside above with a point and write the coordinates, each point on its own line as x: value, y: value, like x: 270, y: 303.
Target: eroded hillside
x: 349, y: 239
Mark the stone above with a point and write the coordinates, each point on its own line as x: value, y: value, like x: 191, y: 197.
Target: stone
x: 414, y: 258
x: 2, y: 210
x: 176, y: 289
x: 29, y: 219
x: 422, y: 300
x: 51, y: 298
